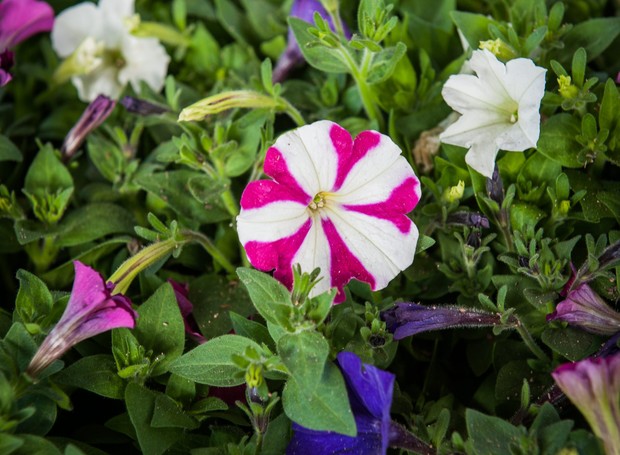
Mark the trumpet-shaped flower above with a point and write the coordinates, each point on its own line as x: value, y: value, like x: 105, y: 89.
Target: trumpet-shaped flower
x: 585, y: 309
x: 91, y: 310
x: 335, y: 203
x: 19, y: 20
x: 102, y: 56
x: 593, y: 385
x: 499, y: 107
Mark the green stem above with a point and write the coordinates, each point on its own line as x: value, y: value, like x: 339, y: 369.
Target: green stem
x: 530, y: 342
x: 210, y: 248
x: 292, y: 112
x: 360, y: 75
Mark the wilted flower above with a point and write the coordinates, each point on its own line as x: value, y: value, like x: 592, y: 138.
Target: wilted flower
x: 93, y: 116
x: 142, y: 107
x: 19, y: 20
x: 181, y: 292
x: 102, y: 56
x: 292, y: 56
x: 499, y: 107
x: 91, y: 310
x: 333, y: 203
x: 593, y: 385
x: 407, y: 319
x: 585, y: 309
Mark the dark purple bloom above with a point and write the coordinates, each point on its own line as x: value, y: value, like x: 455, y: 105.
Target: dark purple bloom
x: 181, y: 292
x: 370, y: 394
x: 91, y: 310
x: 584, y: 308
x: 19, y: 20
x: 142, y: 107
x: 93, y: 116
x: 593, y: 385
x: 292, y: 56
x: 618, y: 78
x: 406, y: 319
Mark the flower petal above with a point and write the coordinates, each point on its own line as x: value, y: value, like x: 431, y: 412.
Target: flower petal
x: 145, y: 60
x: 310, y: 156
x: 102, y: 81
x: 117, y: 8
x: 377, y: 249
x: 20, y: 19
x: 464, y: 92
x: 271, y: 222
x: 74, y: 25
x: 314, y: 252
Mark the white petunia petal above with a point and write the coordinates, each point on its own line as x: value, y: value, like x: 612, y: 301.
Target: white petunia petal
x: 491, y: 71
x: 117, y: 8
x: 74, y: 25
x: 310, y: 156
x: 145, y: 60
x: 313, y: 253
x: 271, y: 222
x: 382, y: 249
x: 463, y: 92
x: 481, y: 157
x: 102, y: 81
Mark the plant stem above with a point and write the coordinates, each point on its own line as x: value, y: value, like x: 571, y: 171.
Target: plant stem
x: 210, y: 248
x: 530, y: 342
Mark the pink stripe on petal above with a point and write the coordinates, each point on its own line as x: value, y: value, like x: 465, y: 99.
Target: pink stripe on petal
x: 262, y: 192
x: 344, y: 264
x: 349, y: 154
x: 278, y: 255
x: 276, y: 168
x: 402, y: 200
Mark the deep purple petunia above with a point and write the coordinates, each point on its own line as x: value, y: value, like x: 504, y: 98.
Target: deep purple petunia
x: 585, y: 309
x: 332, y: 202
x: 406, y: 319
x: 181, y: 292
x: 92, y: 117
x: 91, y: 310
x: 19, y: 20
x: 370, y: 394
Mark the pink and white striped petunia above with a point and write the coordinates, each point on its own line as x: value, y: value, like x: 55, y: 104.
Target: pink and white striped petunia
x: 335, y: 203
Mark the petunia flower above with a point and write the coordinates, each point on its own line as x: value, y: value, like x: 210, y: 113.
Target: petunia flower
x: 19, y: 20
x: 407, y: 319
x: 91, y: 310
x: 292, y: 56
x: 370, y: 395
x: 102, y: 56
x: 593, y: 385
x: 499, y: 107
x: 585, y: 309
x: 334, y: 203
x: 181, y: 292
x: 93, y: 116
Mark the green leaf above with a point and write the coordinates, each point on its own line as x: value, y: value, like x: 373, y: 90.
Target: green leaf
x: 8, y: 150
x: 570, y: 343
x: 324, y: 407
x: 475, y: 27
x: 141, y: 404
x: 173, y: 187
x: 35, y: 445
x: 211, y: 363
x: 609, y: 114
x: 107, y: 157
x: 10, y: 443
x: 19, y: 346
x: 46, y: 174
x: 265, y: 292
x: 160, y: 328
x: 384, y: 63
x: 594, y: 35
x: 168, y: 413
x: 213, y: 296
x: 95, y: 373
x: 251, y: 329
x: 34, y: 301
x: 305, y: 355
x: 489, y: 434
x: 93, y: 221
x: 557, y: 140
x: 320, y: 57
x: 524, y: 215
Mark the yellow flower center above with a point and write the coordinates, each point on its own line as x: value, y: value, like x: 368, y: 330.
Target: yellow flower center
x: 318, y: 202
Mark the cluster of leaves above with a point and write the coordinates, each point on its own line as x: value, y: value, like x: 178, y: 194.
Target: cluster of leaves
x: 504, y: 244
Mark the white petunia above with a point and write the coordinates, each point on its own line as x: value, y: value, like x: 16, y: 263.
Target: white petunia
x: 499, y: 107
x: 102, y: 56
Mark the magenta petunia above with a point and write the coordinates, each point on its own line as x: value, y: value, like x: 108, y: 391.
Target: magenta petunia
x: 19, y: 20
x: 593, y: 385
x: 91, y: 310
x: 332, y: 202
